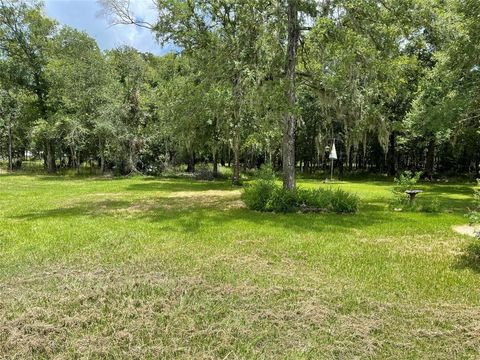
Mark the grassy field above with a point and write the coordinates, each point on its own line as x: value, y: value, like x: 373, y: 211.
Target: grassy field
x: 159, y: 268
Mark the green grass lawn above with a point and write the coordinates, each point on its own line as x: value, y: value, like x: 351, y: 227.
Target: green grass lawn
x: 159, y: 268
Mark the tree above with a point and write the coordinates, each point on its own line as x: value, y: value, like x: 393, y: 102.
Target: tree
x: 78, y: 78
x: 218, y: 33
x: 9, y: 113
x: 26, y: 38
x: 129, y: 69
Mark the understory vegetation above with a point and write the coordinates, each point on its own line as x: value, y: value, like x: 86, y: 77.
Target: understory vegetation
x: 265, y: 194
x: 474, y: 213
x: 401, y: 201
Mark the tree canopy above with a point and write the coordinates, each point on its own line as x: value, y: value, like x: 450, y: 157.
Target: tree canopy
x: 394, y: 83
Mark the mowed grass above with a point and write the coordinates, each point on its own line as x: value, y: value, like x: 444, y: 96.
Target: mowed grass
x: 160, y: 268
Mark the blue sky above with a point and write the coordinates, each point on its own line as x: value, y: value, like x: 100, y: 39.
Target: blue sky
x: 84, y: 15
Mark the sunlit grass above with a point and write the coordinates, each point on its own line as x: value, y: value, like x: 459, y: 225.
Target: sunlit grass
x: 145, y: 267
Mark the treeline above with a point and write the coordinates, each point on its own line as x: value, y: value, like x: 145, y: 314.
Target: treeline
x: 395, y: 83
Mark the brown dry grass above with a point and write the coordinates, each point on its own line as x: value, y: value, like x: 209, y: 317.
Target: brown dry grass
x: 134, y: 312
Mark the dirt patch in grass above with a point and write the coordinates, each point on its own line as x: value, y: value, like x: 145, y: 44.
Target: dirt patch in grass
x: 468, y: 230
x: 223, y: 199
x: 112, y: 203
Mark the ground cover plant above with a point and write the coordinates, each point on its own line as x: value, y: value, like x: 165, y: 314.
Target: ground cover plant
x: 265, y: 193
x: 175, y: 268
x: 400, y: 201
x: 474, y: 213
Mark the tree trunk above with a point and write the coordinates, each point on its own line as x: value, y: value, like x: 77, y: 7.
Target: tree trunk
x: 130, y: 166
x: 236, y: 159
x: 102, y: 157
x: 237, y: 93
x: 73, y: 162
x: 229, y: 157
x: 430, y: 161
x: 215, y: 161
x: 288, y: 145
x: 392, y: 155
x: 51, y: 166
x: 222, y: 160
x: 10, y: 140
x: 191, y: 162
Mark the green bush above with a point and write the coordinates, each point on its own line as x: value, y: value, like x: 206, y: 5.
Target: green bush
x: 265, y: 195
x: 283, y: 200
x: 474, y: 214
x: 343, y: 202
x: 431, y: 206
x: 266, y: 173
x: 257, y: 194
x: 317, y: 198
x: 203, y: 172
x: 406, y: 181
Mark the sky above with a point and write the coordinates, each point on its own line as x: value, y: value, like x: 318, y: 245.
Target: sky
x: 86, y: 15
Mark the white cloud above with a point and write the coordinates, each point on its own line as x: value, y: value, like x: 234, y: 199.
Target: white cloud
x: 84, y: 15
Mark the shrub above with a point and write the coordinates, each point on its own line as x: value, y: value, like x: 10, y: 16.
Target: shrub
x: 203, y: 172
x: 264, y: 195
x: 343, y: 202
x: 283, y: 200
x: 266, y: 173
x: 431, y: 206
x: 339, y: 201
x: 318, y: 198
x: 474, y: 215
x: 406, y: 181
x: 257, y: 194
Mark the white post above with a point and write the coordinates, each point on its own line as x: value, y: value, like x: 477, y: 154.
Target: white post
x: 333, y: 156
x: 331, y: 170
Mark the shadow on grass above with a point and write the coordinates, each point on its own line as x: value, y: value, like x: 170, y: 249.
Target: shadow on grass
x: 447, y: 201
x: 470, y: 259
x: 79, y: 209
x: 175, y: 185
x: 150, y: 184
x: 190, y: 215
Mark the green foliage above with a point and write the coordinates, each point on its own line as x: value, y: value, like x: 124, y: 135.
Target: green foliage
x: 432, y: 206
x: 203, y: 172
x: 316, y: 198
x: 266, y: 173
x: 282, y: 200
x: 474, y: 214
x: 406, y: 181
x: 343, y: 202
x: 400, y: 88
x: 264, y: 194
x: 257, y: 194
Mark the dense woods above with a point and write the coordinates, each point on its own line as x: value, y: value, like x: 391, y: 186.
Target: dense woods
x: 395, y: 83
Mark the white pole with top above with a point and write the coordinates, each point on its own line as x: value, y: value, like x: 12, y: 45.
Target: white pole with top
x: 333, y: 156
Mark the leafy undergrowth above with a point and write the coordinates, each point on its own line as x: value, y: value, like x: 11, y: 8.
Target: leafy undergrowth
x: 148, y: 268
x: 265, y: 194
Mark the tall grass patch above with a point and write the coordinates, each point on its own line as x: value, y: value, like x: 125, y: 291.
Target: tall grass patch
x: 265, y: 194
